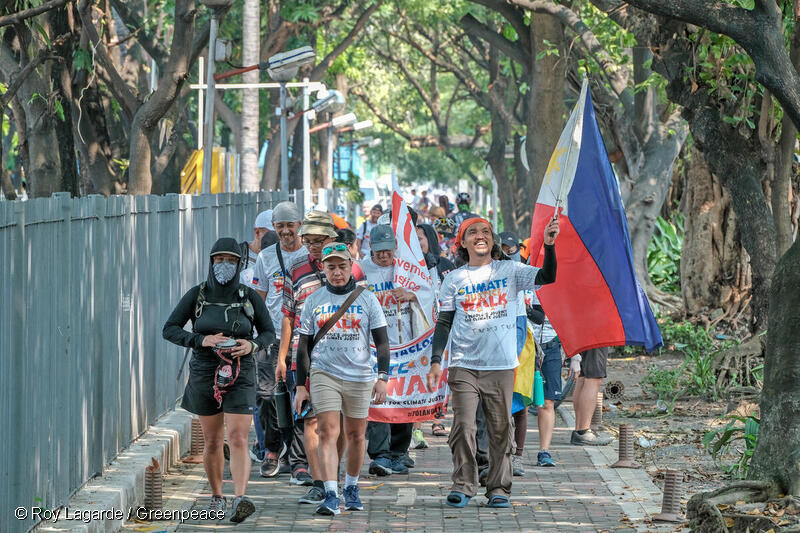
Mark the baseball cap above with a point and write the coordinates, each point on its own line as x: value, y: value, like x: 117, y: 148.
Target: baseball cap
x: 286, y: 212
x: 318, y: 223
x: 336, y: 249
x: 264, y: 220
x: 509, y: 239
x: 382, y: 238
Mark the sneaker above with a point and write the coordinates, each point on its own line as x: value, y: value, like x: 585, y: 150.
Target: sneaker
x: 399, y: 466
x: 301, y: 477
x: 483, y: 476
x: 407, y: 460
x: 516, y: 465
x: 314, y: 495
x: 418, y: 440
x: 381, y: 466
x: 545, y: 459
x: 271, y: 465
x: 351, y: 500
x: 256, y: 453
x: 242, y: 508
x: 218, y: 504
x: 330, y: 506
x: 285, y: 467
x: 589, y: 438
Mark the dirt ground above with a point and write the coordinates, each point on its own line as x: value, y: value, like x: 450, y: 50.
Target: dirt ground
x: 671, y: 441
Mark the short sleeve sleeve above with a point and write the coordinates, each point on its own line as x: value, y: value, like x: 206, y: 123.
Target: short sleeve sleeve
x: 259, y: 279
x: 525, y: 276
x: 447, y: 294
x: 307, y: 319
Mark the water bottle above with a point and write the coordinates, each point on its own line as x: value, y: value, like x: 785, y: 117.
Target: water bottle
x: 283, y: 405
x: 538, y: 389
x: 224, y: 376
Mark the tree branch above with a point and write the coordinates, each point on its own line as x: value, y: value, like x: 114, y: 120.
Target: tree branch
x: 321, y: 68
x: 19, y: 77
x: 127, y: 99
x: 147, y: 40
x: 512, y: 50
x: 19, y: 16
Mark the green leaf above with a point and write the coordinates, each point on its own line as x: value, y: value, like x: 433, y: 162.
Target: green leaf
x: 59, y: 110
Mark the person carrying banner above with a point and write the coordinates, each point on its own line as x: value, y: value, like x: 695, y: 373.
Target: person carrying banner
x: 269, y: 274
x: 334, y: 344
x: 478, y: 308
x: 305, y: 277
x: 388, y: 443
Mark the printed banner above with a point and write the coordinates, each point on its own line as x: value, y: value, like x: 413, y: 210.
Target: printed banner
x: 410, y: 270
x: 407, y: 398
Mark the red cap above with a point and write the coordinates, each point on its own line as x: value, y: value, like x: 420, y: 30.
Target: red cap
x: 467, y: 223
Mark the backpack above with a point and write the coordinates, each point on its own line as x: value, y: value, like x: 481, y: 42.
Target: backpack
x: 244, y: 303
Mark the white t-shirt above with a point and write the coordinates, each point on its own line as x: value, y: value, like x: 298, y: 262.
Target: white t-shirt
x: 363, y: 233
x: 485, y: 301
x: 267, y: 277
x: 542, y: 332
x: 380, y: 281
x: 344, y: 351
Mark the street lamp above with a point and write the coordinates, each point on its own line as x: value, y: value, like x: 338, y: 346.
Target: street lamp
x: 216, y: 6
x: 282, y: 68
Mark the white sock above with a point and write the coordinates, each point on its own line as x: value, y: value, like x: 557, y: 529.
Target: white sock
x: 332, y: 486
x: 349, y: 480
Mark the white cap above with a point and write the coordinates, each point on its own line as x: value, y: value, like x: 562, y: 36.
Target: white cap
x: 264, y: 220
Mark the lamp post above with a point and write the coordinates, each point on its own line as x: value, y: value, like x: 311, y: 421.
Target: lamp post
x: 282, y: 68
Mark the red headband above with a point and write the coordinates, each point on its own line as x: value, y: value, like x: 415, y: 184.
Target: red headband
x: 467, y: 223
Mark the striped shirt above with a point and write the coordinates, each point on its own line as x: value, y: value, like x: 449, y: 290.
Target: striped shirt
x: 306, y: 277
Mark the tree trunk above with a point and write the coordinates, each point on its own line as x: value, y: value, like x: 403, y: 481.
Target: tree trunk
x: 777, y: 454
x: 546, y: 117
x: 5, y: 178
x: 715, y: 269
x: 44, y: 174
x: 251, y: 40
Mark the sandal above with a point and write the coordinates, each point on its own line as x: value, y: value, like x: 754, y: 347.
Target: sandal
x: 437, y: 428
x: 499, y: 501
x: 457, y: 499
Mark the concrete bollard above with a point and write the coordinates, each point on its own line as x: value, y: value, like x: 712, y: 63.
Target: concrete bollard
x: 671, y: 503
x: 597, y: 416
x: 153, y: 487
x: 197, y: 446
x: 626, y: 448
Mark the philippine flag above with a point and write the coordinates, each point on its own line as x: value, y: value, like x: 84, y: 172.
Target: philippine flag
x: 596, y: 300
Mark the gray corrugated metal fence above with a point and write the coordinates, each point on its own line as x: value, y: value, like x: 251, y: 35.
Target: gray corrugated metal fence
x: 85, y: 287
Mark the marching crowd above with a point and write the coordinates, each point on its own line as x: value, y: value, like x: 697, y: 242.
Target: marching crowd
x: 281, y: 336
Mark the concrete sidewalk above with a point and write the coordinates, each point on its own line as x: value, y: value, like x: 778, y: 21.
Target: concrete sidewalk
x: 580, y: 494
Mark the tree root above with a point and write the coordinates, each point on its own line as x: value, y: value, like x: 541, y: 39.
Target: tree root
x: 734, y: 366
x: 705, y: 516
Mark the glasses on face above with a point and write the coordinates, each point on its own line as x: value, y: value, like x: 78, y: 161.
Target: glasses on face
x: 309, y: 243
x: 339, y: 247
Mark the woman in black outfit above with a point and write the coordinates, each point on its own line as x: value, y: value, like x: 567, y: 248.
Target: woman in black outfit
x: 221, y: 389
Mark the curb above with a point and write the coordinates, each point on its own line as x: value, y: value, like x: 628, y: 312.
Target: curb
x: 120, y: 489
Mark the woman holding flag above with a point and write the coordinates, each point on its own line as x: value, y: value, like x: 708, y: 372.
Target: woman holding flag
x: 478, y: 316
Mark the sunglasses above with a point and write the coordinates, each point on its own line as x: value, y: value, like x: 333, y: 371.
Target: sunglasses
x: 338, y: 247
x: 307, y: 242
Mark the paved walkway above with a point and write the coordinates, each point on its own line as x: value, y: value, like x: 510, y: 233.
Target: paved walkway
x: 576, y: 495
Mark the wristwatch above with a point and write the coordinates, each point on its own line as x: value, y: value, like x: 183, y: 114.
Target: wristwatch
x: 383, y: 376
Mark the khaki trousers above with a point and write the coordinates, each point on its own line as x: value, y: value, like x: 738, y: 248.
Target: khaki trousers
x: 495, y: 389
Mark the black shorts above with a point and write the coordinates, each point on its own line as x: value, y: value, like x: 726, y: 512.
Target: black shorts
x: 593, y: 363
x: 239, y: 398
